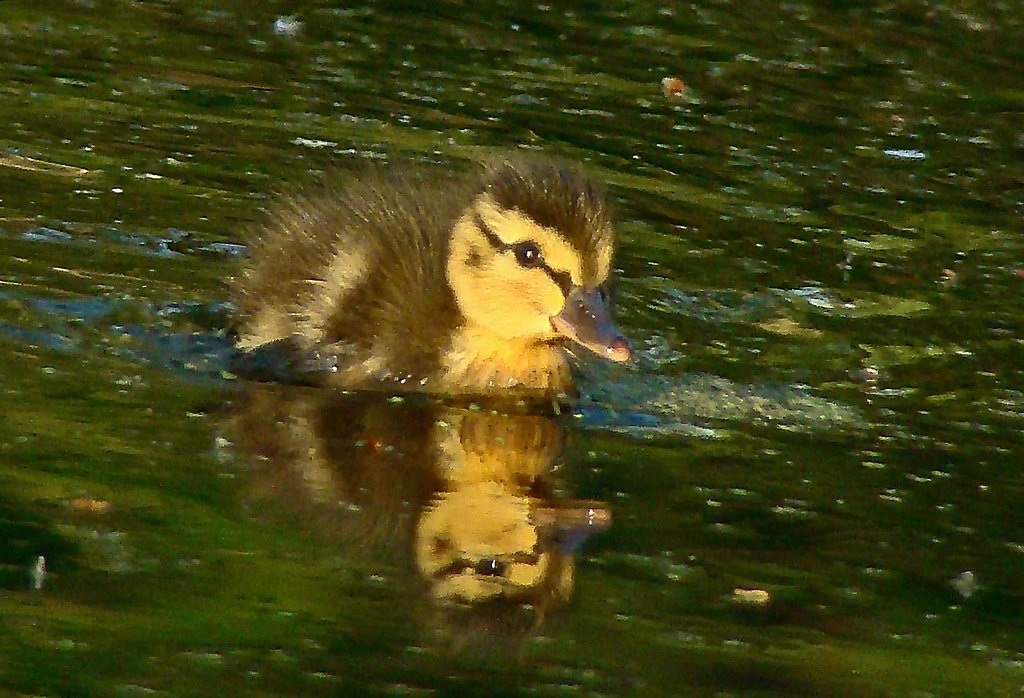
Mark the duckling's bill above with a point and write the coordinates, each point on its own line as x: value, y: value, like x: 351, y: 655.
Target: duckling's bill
x: 585, y: 320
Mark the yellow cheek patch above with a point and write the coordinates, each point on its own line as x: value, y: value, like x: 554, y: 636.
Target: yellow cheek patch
x: 493, y: 291
x: 531, y: 285
x: 511, y: 227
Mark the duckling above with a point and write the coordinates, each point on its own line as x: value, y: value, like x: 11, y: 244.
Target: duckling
x: 471, y: 284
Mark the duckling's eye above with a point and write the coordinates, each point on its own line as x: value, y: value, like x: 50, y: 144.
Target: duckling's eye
x: 527, y: 254
x: 490, y: 568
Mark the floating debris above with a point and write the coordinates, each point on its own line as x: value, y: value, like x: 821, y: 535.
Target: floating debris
x: 92, y: 506
x: 38, y: 573
x: 965, y: 584
x: 905, y: 153
x: 313, y: 143
x: 22, y: 162
x: 753, y: 597
x: 673, y: 87
x: 869, y: 375
x: 289, y: 26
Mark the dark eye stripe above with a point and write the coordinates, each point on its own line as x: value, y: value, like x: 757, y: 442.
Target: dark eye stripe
x: 561, y: 278
x: 492, y: 238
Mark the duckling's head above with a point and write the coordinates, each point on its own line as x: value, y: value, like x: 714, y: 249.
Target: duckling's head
x: 531, y: 258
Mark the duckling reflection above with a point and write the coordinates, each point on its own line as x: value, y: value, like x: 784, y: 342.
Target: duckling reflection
x: 493, y: 531
x: 466, y: 498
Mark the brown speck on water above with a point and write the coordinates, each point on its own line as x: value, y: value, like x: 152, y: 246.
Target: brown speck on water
x: 89, y: 505
x: 673, y: 87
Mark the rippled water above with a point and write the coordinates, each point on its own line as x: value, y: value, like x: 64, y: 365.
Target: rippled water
x: 807, y: 484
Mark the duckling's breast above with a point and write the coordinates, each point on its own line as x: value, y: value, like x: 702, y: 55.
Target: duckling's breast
x: 477, y: 362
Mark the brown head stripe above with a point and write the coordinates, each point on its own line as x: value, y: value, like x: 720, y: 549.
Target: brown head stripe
x: 561, y: 278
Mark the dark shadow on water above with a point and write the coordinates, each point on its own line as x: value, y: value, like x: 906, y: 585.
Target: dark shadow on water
x: 30, y: 548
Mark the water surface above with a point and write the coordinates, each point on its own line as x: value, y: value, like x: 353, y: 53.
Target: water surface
x: 812, y: 472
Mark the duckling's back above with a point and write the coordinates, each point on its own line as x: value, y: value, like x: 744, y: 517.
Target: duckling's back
x: 356, y: 270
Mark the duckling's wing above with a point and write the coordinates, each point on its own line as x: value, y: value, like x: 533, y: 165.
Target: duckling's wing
x: 354, y: 271
x: 398, y: 313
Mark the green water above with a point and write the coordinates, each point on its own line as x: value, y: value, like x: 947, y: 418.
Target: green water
x: 812, y: 471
